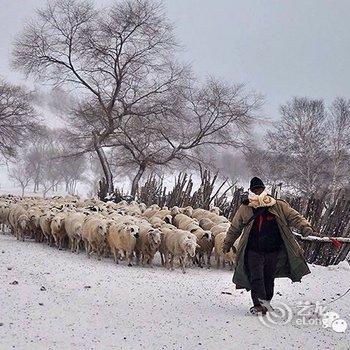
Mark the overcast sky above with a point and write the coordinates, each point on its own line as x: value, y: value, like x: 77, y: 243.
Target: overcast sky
x: 280, y: 48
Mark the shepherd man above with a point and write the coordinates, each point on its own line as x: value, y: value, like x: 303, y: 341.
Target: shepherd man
x: 267, y: 248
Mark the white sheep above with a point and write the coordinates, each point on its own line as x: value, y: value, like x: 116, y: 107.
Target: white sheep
x: 94, y: 232
x: 179, y: 244
x: 74, y: 226
x: 121, y: 238
x: 19, y: 221
x: 58, y: 230
x: 147, y: 244
x: 220, y: 255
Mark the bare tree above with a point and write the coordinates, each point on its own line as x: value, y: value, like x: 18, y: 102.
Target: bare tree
x: 262, y: 162
x: 17, y: 118
x: 70, y: 168
x: 72, y: 171
x: 338, y: 128
x: 35, y: 159
x: 298, y: 144
x: 20, y: 173
x: 44, y: 163
x: 51, y: 175
x: 214, y: 115
x: 120, y: 57
x: 35, y: 155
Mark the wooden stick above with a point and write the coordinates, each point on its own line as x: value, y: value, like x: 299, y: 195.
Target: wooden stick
x: 321, y: 239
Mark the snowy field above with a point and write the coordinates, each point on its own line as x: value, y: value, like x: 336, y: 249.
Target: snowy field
x: 90, y: 304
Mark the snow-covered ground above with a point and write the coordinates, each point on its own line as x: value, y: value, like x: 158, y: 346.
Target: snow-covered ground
x: 90, y: 304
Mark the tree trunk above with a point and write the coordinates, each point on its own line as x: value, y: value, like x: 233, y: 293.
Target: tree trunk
x: 104, y: 163
x: 36, y: 185
x: 136, y: 180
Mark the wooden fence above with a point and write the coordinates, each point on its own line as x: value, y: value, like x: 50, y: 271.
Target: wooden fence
x: 331, y: 219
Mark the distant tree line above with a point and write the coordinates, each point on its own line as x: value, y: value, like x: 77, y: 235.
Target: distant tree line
x: 44, y: 166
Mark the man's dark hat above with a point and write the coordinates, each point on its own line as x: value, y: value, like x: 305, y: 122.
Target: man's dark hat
x: 255, y: 182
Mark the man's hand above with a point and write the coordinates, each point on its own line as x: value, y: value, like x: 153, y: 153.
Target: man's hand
x: 316, y: 234
x: 309, y: 231
x: 226, y: 248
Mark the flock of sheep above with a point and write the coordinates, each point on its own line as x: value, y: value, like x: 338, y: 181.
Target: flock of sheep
x: 127, y: 231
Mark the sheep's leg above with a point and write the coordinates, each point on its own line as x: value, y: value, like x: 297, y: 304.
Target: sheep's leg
x: 183, y: 261
x: 118, y: 255
x: 99, y: 252
x: 144, y: 259
x: 77, y: 244
x: 129, y: 258
x: 162, y: 259
x: 199, y: 259
x: 87, y: 248
x: 217, y: 257
x: 35, y: 235
x: 138, y: 253
x: 72, y: 244
x: 208, y: 260
x: 93, y: 248
x: 115, y: 257
x: 60, y: 243
x: 150, y: 261
x: 166, y: 260
x: 90, y: 250
x: 171, y: 262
